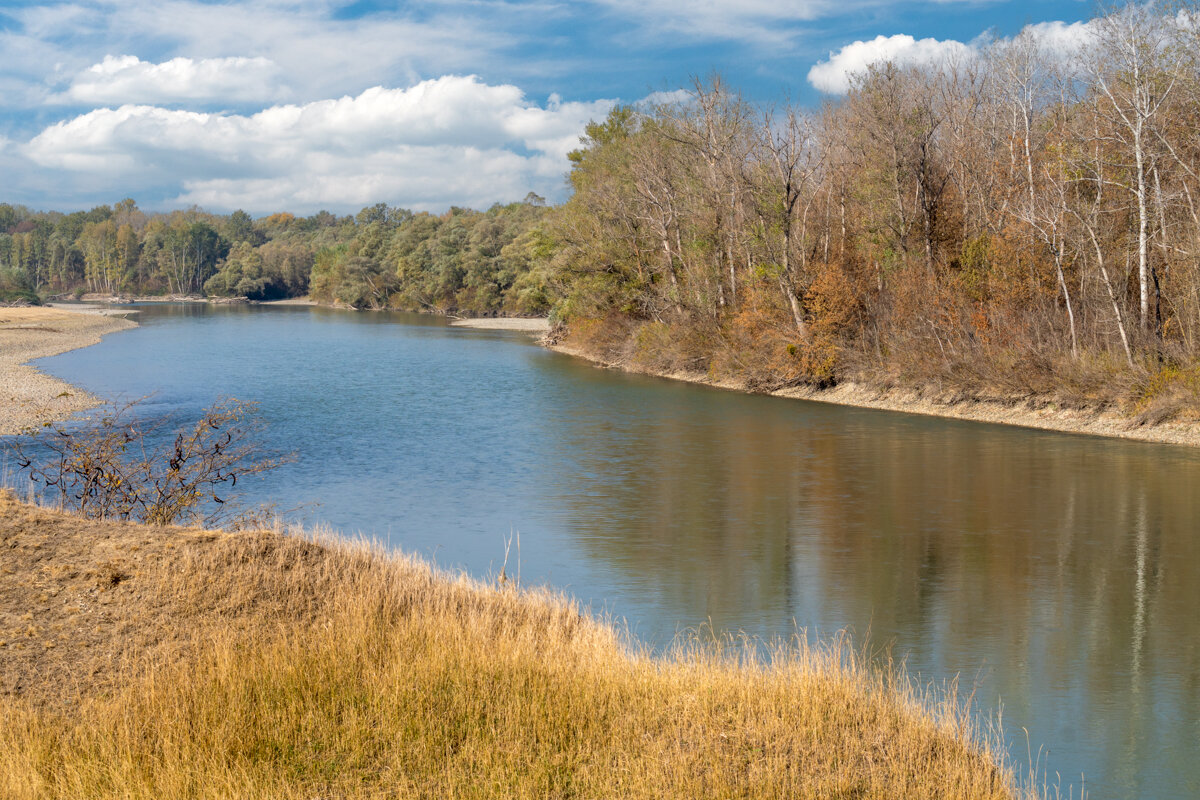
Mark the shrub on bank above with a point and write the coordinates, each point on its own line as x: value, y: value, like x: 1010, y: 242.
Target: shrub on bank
x: 15, y: 288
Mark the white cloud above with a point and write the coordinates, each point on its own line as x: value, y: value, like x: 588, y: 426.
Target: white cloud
x: 119, y: 80
x: 1059, y: 38
x: 452, y: 140
x: 420, y: 178
x: 54, y: 50
x: 664, y: 98
x: 153, y: 132
x: 833, y: 76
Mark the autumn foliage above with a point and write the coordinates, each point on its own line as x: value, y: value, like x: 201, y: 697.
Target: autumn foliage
x: 1019, y: 224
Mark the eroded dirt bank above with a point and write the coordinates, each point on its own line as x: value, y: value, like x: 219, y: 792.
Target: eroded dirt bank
x: 1018, y: 412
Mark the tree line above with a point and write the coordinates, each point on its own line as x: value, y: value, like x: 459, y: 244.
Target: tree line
x: 1021, y: 222
x: 383, y: 257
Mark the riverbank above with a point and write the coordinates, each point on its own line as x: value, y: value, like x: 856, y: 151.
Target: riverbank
x: 290, y: 301
x: 1017, y: 412
x: 28, y: 397
x: 537, y: 325
x: 147, y: 662
x: 123, y: 299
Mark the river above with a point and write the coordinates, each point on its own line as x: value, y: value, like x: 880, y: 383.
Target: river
x: 1056, y: 575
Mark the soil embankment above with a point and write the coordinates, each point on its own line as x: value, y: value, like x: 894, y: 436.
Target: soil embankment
x: 1017, y: 411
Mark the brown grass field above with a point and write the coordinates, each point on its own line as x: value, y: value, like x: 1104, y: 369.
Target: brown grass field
x: 140, y: 662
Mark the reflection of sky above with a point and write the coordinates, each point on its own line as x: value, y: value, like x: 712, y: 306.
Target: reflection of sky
x: 1056, y: 573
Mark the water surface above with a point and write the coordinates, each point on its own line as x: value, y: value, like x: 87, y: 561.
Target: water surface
x: 1057, y: 574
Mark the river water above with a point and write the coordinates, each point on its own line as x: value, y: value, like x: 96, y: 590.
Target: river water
x: 1056, y: 575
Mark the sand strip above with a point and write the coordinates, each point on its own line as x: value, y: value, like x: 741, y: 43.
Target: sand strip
x: 526, y: 324
x: 27, y: 397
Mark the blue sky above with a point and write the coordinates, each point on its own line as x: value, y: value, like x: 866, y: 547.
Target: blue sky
x: 305, y: 104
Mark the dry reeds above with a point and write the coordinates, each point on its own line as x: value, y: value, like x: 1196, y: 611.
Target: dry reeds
x: 329, y: 670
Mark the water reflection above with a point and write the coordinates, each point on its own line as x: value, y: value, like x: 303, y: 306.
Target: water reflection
x: 1060, y: 571
x: 1056, y: 573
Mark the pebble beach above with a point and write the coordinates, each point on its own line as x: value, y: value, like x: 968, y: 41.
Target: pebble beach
x: 29, y: 398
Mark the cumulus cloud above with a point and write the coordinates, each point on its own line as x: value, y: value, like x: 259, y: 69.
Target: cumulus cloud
x: 421, y: 178
x: 1061, y: 39
x: 833, y: 75
x: 118, y: 80
x: 68, y: 50
x: 452, y: 140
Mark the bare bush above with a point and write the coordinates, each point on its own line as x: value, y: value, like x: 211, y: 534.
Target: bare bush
x: 111, y: 470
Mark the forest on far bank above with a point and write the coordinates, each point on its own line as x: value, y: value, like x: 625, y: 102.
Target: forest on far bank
x: 1020, y: 224
x: 382, y: 257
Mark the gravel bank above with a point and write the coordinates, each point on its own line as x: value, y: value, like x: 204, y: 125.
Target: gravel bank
x: 27, y: 397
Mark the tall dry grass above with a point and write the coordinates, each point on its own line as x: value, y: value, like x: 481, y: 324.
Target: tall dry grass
x: 359, y: 674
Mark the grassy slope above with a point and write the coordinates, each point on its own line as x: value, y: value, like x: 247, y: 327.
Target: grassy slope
x: 140, y: 662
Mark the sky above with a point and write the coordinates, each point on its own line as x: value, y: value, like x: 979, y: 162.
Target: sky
x: 303, y: 105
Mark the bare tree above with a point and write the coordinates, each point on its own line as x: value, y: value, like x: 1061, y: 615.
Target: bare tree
x: 1129, y: 63
x: 1021, y: 65
x: 791, y: 171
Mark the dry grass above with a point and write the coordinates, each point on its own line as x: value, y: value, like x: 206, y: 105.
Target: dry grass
x: 269, y: 666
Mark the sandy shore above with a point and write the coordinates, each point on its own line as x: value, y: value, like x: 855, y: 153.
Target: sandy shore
x: 29, y: 398
x: 118, y: 299
x: 526, y: 324
x: 87, y: 308
x: 1021, y: 414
